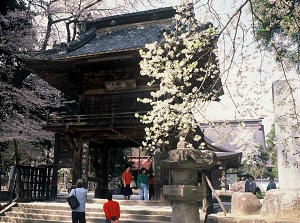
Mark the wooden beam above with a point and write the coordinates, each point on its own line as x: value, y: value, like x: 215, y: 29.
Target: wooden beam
x: 216, y: 195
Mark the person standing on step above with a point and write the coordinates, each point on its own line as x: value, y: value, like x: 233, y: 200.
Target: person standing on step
x: 151, y: 186
x: 111, y: 209
x: 142, y: 184
x: 78, y: 214
x: 126, y: 191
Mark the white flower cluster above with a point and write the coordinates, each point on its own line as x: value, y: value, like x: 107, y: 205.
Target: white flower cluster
x: 248, y: 146
x: 184, y: 68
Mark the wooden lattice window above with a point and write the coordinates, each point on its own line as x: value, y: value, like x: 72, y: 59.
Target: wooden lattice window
x: 115, y: 103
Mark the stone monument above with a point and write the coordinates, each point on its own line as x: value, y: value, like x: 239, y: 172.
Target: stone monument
x: 184, y: 193
x: 285, y: 202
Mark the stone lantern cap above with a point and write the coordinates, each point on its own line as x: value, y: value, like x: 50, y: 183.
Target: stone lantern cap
x: 188, y: 159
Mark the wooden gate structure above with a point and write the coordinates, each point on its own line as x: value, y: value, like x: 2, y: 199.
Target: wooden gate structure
x: 102, y: 68
x: 28, y: 183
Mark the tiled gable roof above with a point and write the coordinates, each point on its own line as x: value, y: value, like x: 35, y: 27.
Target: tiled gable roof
x: 104, y: 38
x: 111, y: 41
x: 130, y: 38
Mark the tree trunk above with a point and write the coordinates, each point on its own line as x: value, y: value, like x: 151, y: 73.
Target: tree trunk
x: 48, y: 32
x: 17, y: 154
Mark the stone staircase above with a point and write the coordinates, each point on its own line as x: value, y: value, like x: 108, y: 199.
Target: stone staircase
x: 132, y: 211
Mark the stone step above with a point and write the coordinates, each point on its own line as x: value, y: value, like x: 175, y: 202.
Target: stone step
x: 42, y: 206
x: 131, y: 212
x: 57, y: 218
x: 89, y: 211
x: 62, y: 216
x: 88, y: 220
x: 129, y: 209
x: 63, y: 199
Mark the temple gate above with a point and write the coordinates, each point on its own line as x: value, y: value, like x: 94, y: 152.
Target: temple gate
x: 102, y: 69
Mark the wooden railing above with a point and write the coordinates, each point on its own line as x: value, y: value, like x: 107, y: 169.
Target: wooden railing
x: 98, y: 119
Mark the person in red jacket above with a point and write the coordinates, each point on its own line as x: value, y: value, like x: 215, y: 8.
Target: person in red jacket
x: 111, y: 209
x: 126, y: 179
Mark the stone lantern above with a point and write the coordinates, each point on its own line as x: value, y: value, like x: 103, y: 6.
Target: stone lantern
x: 184, y: 193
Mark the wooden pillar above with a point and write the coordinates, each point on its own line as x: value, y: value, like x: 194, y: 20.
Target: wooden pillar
x: 53, y: 191
x: 77, y: 165
x: 103, y: 186
x: 207, y: 203
x: 100, y: 160
x: 223, y: 177
x: 107, y: 165
x: 85, y: 161
x: 81, y: 99
x: 158, y: 183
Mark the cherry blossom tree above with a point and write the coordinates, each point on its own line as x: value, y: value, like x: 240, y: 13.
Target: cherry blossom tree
x: 184, y: 68
x: 272, y: 152
x: 243, y: 33
x: 248, y: 146
x: 254, y: 156
x: 252, y: 36
x: 24, y: 98
x: 23, y: 113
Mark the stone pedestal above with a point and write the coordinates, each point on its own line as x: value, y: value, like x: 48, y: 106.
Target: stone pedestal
x: 185, y: 212
x: 185, y: 202
x: 184, y: 193
x: 281, y: 204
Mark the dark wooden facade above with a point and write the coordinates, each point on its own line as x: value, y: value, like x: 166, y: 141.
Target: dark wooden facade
x: 102, y: 68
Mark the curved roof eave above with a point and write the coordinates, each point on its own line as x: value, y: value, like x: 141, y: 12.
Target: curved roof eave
x: 101, y: 56
x: 211, y: 145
